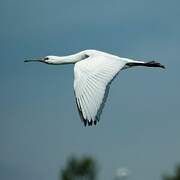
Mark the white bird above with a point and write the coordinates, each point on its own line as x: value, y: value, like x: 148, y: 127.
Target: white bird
x: 93, y: 73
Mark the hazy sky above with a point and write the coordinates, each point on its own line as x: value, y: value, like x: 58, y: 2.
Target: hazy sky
x: 39, y: 124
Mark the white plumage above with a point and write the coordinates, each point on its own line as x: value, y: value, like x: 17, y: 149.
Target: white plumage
x: 93, y: 72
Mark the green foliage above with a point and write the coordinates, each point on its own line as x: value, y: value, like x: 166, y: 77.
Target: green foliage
x: 176, y: 176
x: 79, y: 169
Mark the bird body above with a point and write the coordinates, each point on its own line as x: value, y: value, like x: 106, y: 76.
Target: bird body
x: 93, y: 73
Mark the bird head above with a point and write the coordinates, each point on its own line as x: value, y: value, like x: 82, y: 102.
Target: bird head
x: 46, y: 59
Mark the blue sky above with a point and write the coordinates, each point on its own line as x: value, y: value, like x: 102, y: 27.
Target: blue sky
x: 39, y: 123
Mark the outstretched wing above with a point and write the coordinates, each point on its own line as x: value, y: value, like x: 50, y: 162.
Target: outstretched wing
x: 92, y: 78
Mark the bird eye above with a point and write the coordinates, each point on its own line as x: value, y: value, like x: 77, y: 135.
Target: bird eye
x: 46, y: 58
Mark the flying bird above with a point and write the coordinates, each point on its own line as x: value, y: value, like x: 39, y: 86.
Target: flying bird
x: 93, y: 73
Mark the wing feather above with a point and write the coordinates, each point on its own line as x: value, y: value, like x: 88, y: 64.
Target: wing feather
x: 92, y: 78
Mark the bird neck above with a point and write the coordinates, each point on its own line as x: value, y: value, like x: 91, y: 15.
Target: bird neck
x: 71, y: 59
